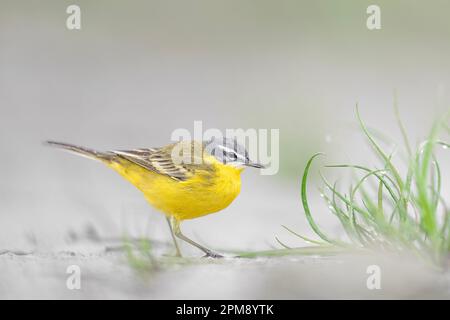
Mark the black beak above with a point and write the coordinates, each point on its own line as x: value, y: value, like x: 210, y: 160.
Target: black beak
x: 255, y: 165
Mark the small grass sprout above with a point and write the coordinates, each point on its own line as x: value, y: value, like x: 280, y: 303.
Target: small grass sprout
x: 139, y: 256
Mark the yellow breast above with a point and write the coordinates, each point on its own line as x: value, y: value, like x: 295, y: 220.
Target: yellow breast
x: 207, y: 191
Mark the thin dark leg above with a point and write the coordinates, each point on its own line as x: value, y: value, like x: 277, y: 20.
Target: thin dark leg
x: 180, y: 235
x: 178, y: 254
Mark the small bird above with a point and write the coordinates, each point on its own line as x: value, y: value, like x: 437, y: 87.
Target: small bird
x: 183, y: 180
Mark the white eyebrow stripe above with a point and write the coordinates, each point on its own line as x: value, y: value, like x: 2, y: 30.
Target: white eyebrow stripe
x: 226, y: 149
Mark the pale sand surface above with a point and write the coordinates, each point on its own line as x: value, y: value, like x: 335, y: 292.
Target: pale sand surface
x: 107, y: 276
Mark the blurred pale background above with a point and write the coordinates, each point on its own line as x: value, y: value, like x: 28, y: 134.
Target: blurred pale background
x: 140, y: 69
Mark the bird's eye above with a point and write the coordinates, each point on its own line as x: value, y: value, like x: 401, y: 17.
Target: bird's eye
x: 232, y: 156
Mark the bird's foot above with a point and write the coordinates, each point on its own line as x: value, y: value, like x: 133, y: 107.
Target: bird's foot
x: 211, y: 254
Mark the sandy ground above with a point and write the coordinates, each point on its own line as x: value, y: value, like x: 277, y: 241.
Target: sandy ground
x: 106, y: 274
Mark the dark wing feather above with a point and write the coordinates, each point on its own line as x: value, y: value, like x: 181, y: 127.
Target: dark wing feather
x: 158, y: 160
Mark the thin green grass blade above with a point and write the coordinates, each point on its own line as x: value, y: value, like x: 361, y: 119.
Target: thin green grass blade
x: 303, y: 237
x: 379, y: 151
x: 282, y: 244
x: 401, y: 126
x: 436, y: 184
x: 445, y: 145
x: 380, y: 200
x: 424, y: 156
x: 304, y: 198
x: 343, y: 198
x: 342, y: 216
x: 303, y: 251
x: 379, y: 177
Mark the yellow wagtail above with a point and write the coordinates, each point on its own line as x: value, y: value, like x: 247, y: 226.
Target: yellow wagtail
x: 182, y: 190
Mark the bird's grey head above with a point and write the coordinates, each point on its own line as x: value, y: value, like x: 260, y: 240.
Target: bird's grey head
x: 230, y: 152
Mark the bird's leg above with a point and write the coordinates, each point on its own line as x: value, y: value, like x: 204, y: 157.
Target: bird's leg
x: 178, y: 254
x: 177, y: 231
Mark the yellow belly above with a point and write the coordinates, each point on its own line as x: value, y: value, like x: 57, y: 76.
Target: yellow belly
x: 200, y: 195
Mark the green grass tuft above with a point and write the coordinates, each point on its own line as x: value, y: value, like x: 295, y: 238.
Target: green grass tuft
x: 387, y: 209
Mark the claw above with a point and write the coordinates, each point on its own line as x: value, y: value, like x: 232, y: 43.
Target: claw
x: 211, y: 254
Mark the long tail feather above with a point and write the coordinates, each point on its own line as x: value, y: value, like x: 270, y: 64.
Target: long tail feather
x: 82, y: 151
